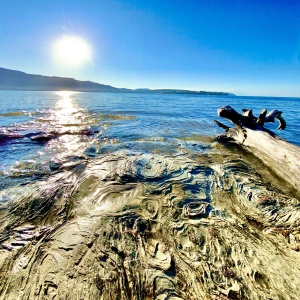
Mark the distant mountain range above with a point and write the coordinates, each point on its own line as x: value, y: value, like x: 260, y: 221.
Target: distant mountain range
x: 17, y: 80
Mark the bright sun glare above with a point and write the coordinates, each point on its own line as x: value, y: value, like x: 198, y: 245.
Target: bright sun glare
x: 72, y: 51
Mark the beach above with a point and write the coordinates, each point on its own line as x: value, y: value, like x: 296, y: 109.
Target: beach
x: 130, y: 196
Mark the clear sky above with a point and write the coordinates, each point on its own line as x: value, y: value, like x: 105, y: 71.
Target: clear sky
x: 246, y: 47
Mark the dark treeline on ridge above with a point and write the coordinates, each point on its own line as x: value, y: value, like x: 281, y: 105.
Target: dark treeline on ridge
x: 17, y: 80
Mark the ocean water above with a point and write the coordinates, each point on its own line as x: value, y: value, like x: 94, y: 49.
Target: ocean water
x: 40, y: 129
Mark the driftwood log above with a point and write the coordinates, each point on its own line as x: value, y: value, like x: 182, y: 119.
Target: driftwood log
x: 249, y: 132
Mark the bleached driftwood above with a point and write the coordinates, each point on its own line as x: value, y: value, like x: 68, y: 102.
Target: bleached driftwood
x: 281, y: 156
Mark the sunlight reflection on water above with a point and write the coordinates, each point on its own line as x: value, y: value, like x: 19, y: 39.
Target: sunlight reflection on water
x: 66, y: 106
x: 70, y: 121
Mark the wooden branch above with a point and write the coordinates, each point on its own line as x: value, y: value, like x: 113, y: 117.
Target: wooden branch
x: 276, y: 114
x: 261, y: 118
x: 248, y: 113
x: 249, y: 120
x: 221, y: 125
x: 237, y: 119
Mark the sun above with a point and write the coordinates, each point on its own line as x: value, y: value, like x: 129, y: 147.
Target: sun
x: 72, y: 51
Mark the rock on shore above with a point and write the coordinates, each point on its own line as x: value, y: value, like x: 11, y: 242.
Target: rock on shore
x: 152, y: 227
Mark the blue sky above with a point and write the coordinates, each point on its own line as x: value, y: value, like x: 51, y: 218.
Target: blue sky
x: 245, y: 47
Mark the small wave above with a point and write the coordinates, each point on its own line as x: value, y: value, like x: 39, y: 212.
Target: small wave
x: 198, y: 138
x: 6, y: 137
x: 45, y: 120
x: 114, y: 117
x: 18, y: 113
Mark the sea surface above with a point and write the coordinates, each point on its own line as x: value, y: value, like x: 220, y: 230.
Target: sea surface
x: 38, y: 130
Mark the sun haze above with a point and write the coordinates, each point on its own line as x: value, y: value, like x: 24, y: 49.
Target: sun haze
x: 72, y: 51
